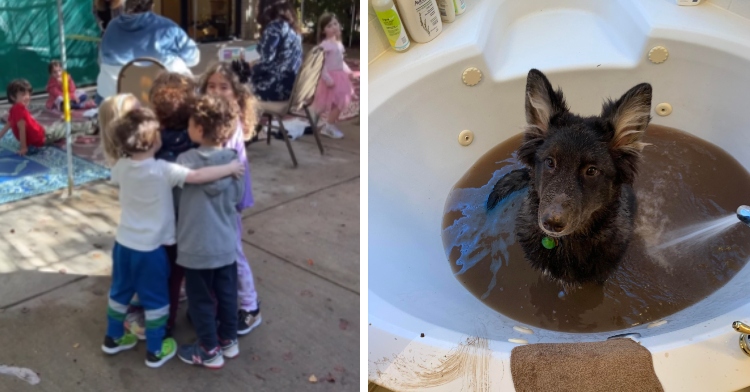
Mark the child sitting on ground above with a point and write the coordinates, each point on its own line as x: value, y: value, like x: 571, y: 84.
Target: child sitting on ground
x: 207, y: 235
x: 78, y: 98
x: 29, y: 133
x: 140, y: 262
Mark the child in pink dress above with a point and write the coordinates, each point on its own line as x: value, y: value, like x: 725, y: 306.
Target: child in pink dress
x: 335, y: 88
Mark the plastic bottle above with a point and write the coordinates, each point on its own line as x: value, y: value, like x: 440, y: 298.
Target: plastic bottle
x: 460, y: 6
x: 447, y: 10
x: 392, y: 25
x: 422, y: 19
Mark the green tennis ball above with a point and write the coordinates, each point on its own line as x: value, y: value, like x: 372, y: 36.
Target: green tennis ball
x: 548, y: 243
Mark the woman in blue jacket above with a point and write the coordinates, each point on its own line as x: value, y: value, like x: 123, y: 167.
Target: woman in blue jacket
x: 138, y: 32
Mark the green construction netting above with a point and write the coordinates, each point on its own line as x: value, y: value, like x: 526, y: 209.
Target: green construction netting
x: 29, y: 40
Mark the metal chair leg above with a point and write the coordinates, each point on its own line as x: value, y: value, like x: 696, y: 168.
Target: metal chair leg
x: 268, y: 130
x: 288, y: 142
x: 314, y: 124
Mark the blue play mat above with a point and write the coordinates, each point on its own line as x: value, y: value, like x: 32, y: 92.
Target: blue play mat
x: 41, y: 171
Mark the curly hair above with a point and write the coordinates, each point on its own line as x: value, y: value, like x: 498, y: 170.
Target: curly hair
x: 245, y: 99
x: 110, y: 110
x: 135, y: 132
x: 216, y: 116
x: 171, y: 96
x: 17, y: 86
x: 271, y: 10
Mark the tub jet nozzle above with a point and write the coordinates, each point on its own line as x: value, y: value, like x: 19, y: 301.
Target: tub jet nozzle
x: 743, y: 214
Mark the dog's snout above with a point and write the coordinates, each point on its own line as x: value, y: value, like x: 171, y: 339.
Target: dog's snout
x: 554, y: 222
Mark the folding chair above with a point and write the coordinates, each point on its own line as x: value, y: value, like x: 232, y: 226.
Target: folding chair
x: 302, y: 94
x: 137, y: 77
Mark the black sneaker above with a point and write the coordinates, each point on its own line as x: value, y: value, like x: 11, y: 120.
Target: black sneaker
x: 247, y: 321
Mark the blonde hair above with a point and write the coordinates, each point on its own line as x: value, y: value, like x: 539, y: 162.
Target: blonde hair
x: 110, y: 110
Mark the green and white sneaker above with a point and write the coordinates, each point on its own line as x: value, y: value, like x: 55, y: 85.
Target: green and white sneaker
x: 168, y: 350
x: 126, y: 342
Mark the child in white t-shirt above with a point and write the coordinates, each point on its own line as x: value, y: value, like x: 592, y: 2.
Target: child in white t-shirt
x: 147, y: 223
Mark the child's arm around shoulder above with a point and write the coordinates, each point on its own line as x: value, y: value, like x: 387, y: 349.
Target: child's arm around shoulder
x: 186, y: 174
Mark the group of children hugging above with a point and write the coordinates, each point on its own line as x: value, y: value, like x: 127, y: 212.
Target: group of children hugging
x: 184, y: 180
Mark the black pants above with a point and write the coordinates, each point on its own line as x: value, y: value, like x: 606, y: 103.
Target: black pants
x: 176, y: 273
x: 213, y: 293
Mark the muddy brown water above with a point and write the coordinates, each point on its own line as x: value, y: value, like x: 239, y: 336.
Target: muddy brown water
x: 684, y: 182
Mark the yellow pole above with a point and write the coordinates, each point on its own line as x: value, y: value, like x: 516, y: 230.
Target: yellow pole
x: 66, y: 96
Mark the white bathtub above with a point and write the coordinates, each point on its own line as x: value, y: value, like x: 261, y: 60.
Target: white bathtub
x: 417, y: 107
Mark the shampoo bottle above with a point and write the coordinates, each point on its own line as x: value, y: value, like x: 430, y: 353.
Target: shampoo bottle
x: 392, y: 25
x: 460, y: 6
x: 447, y: 10
x: 422, y: 19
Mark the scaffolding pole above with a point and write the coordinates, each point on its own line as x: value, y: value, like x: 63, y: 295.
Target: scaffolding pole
x: 66, y: 96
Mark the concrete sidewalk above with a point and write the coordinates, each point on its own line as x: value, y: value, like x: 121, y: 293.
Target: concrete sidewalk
x: 302, y: 240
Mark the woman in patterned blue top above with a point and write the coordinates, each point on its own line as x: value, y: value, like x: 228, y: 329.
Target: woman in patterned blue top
x: 280, y: 50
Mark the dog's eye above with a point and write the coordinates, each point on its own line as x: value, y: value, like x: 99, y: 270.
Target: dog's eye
x: 592, y: 171
x: 550, y: 163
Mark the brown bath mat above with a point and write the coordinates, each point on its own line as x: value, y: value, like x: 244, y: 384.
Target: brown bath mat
x: 612, y: 365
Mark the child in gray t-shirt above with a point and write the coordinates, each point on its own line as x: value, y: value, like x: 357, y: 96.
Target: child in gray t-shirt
x: 207, y: 235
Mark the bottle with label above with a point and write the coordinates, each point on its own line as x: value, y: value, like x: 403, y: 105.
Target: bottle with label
x: 447, y: 10
x: 391, y: 22
x: 460, y: 6
x: 422, y: 19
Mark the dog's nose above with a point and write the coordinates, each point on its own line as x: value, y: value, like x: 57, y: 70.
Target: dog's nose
x: 553, y: 222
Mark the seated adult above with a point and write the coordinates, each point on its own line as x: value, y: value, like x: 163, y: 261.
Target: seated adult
x: 105, y: 11
x: 280, y: 50
x: 138, y: 32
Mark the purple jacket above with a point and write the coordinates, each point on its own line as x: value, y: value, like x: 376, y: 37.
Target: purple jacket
x: 237, y: 142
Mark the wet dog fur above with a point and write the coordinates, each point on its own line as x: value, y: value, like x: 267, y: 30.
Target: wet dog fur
x: 579, y: 173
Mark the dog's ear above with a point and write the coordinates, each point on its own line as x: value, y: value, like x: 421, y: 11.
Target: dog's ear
x: 542, y: 104
x: 628, y: 118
